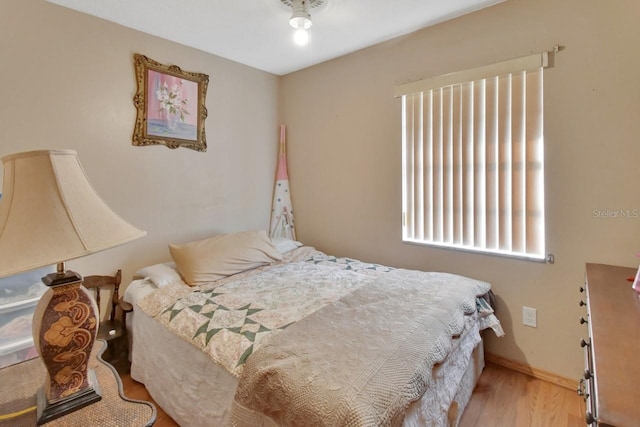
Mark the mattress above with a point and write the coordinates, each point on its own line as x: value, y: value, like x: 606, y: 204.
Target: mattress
x: 181, y: 377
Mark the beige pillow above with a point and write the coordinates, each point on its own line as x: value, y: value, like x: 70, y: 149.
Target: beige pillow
x: 211, y: 259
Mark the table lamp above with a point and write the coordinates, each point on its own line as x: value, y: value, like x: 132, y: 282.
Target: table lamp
x: 49, y: 214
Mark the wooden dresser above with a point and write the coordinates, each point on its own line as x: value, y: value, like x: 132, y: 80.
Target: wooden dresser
x: 612, y: 349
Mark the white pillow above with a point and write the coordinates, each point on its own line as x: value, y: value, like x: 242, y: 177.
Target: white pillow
x: 284, y: 245
x: 160, y: 274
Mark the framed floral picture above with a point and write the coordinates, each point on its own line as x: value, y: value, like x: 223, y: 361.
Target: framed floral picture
x: 170, y: 105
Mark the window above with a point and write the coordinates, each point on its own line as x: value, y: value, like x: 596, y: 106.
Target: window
x: 472, y: 160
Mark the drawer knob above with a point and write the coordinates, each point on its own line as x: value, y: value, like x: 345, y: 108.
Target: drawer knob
x: 581, y: 388
x: 581, y: 289
x: 587, y: 374
x: 583, y: 320
x: 589, y: 417
x: 583, y: 343
x: 582, y: 303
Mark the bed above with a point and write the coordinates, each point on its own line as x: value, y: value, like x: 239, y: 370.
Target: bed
x: 305, y: 338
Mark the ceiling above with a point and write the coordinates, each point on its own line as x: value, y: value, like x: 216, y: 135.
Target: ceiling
x: 257, y: 32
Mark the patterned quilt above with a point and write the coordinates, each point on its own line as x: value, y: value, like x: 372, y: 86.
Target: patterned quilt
x: 231, y: 318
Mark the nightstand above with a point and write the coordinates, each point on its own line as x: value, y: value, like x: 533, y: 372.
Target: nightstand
x: 20, y: 382
x: 112, y: 330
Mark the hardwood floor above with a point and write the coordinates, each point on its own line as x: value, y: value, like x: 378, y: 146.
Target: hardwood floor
x: 502, y: 398
x: 135, y: 390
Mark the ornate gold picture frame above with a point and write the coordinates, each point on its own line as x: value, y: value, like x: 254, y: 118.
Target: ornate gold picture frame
x: 170, y: 104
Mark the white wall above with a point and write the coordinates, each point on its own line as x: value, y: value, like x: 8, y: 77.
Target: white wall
x: 345, y: 156
x: 68, y: 82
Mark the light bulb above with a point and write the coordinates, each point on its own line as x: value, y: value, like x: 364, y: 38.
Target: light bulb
x: 302, y: 22
x: 301, y: 37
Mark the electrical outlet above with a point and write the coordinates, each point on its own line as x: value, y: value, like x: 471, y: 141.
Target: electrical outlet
x: 529, y: 317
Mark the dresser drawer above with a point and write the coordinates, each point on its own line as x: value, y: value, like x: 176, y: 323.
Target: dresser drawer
x: 611, y: 375
x: 586, y: 386
x: 587, y: 383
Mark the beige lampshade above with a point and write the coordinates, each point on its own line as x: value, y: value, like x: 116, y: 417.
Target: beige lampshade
x: 49, y: 213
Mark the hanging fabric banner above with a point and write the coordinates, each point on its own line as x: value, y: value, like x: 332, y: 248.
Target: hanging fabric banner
x: 282, y: 224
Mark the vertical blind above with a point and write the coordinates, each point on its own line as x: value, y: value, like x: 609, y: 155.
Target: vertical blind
x: 473, y: 172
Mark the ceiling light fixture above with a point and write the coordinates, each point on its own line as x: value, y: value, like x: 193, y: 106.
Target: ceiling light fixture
x: 301, y: 19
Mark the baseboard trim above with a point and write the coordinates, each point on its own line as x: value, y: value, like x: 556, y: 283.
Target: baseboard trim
x: 531, y: 371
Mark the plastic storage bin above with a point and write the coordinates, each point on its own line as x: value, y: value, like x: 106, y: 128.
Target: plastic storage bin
x: 19, y: 296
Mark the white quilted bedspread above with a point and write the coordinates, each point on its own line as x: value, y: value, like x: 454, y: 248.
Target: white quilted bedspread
x: 320, y: 340
x: 361, y: 360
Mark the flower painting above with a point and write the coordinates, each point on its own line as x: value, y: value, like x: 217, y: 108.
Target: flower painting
x: 170, y: 103
x: 168, y: 110
x: 173, y: 101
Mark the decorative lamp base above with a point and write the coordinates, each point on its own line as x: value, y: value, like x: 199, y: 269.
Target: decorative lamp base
x: 48, y: 411
x: 65, y: 326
